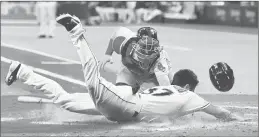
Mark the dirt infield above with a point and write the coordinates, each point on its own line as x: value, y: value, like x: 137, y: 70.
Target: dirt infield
x: 52, y: 121
x: 48, y: 120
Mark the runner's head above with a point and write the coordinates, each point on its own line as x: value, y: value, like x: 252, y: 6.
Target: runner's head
x: 185, y: 78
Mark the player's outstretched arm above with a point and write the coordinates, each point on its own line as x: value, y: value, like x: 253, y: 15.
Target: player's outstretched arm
x: 222, y: 113
x: 196, y: 103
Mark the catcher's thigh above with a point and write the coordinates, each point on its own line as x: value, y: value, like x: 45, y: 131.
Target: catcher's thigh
x: 126, y: 77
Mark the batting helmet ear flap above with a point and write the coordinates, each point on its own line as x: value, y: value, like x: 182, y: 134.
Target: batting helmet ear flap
x: 222, y: 76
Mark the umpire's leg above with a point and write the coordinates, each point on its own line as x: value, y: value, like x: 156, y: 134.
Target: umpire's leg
x: 43, y: 20
x: 51, y: 9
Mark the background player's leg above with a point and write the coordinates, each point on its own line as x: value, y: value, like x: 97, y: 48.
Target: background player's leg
x: 37, y: 12
x: 51, y: 17
x: 43, y: 20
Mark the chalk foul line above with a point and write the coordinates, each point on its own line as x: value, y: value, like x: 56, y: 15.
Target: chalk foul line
x: 40, y: 53
x: 48, y: 73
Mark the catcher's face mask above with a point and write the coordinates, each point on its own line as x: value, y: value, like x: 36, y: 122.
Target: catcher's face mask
x: 146, y: 52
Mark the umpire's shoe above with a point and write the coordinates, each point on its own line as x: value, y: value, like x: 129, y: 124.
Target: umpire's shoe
x: 68, y: 21
x: 12, y: 74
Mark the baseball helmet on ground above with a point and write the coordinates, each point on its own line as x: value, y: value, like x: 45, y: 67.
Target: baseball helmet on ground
x: 222, y: 76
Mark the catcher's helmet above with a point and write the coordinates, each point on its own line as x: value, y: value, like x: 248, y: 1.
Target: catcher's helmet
x: 222, y: 76
x: 146, y: 51
x: 147, y: 31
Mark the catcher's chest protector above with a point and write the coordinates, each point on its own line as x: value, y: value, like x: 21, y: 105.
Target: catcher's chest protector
x: 222, y: 76
x: 130, y: 63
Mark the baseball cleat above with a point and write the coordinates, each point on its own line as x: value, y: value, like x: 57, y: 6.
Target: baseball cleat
x: 50, y: 36
x: 42, y: 36
x: 68, y: 21
x: 12, y: 72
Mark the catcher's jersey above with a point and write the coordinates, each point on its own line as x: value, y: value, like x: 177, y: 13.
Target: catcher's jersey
x: 160, y: 69
x: 121, y: 43
x: 119, y: 39
x: 169, y: 101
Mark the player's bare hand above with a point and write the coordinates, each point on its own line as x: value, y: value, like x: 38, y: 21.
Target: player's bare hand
x: 237, y: 116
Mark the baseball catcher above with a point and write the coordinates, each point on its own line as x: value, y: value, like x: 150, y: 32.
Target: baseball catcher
x: 142, y: 56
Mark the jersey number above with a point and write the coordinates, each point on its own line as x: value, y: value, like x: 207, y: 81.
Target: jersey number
x: 164, y: 91
x: 159, y: 92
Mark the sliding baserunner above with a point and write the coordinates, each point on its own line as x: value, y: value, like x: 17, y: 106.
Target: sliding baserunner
x: 118, y: 103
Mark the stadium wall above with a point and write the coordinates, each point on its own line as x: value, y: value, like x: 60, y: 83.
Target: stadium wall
x: 233, y: 15
x: 230, y: 15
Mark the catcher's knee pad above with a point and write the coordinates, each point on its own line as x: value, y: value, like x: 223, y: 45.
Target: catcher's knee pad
x: 222, y: 76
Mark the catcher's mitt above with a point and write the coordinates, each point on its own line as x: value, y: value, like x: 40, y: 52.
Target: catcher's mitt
x: 222, y: 76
